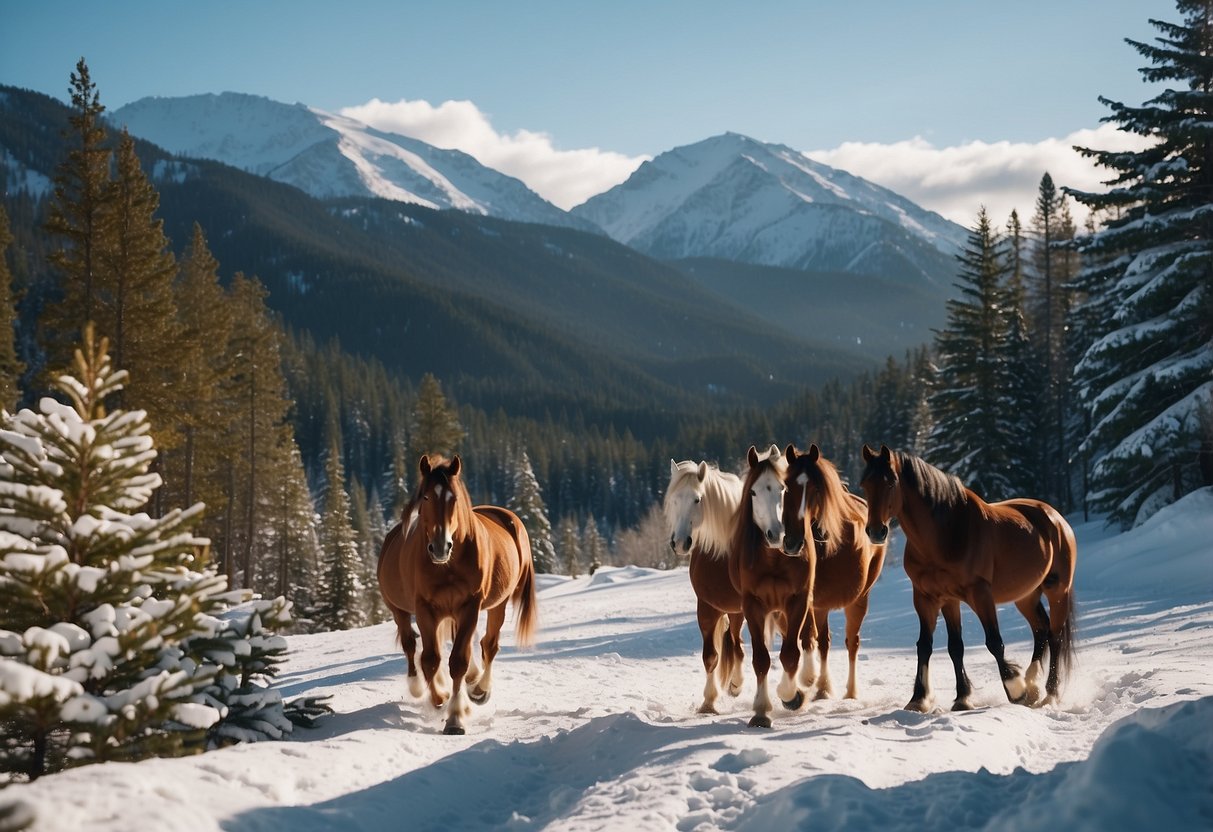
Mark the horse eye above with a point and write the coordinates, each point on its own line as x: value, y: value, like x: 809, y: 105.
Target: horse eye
x: 753, y: 492
x: 697, y: 500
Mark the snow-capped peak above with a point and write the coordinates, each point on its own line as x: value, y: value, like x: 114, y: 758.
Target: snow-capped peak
x: 329, y: 155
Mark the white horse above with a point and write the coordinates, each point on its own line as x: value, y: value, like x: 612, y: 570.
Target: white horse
x: 699, y: 506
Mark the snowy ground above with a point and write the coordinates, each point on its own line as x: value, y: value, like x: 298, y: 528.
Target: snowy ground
x: 595, y: 728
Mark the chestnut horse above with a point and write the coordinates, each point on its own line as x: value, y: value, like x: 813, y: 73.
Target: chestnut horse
x: 444, y: 563
x: 817, y: 504
x: 961, y: 548
x: 774, y: 587
x: 699, y: 507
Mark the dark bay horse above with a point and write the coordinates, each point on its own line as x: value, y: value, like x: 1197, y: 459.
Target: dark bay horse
x: 817, y: 505
x: 961, y: 548
x: 775, y: 587
x: 444, y: 563
x: 700, y: 503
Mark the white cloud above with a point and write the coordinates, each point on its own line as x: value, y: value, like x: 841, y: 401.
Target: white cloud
x: 956, y: 181
x: 563, y: 177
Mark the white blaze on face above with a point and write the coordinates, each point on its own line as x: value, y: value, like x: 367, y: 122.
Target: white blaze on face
x: 803, y: 482
x: 443, y: 543
x: 767, y: 498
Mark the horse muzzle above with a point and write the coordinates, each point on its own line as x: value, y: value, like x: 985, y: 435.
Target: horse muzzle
x: 440, y: 554
x: 681, y: 547
x: 878, y: 534
x: 793, y: 547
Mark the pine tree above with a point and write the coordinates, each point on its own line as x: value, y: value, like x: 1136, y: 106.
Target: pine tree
x: 973, y: 436
x: 527, y: 503
x: 10, y: 366
x: 204, y: 316
x: 136, y: 306
x: 569, y: 549
x: 342, y: 589
x: 79, y: 218
x: 435, y: 427
x: 1147, y: 379
x: 368, y: 539
x: 112, y: 647
x: 594, y: 545
x: 260, y: 440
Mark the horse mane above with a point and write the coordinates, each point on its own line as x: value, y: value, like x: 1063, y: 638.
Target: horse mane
x: 723, y: 492
x: 830, y: 503
x: 939, y: 490
x: 747, y: 538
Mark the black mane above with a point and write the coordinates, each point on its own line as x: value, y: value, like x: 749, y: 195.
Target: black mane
x: 937, y: 488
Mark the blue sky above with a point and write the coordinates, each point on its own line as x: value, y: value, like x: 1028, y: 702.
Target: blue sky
x: 610, y: 83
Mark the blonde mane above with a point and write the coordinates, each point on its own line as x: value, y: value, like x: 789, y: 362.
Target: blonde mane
x: 831, y: 505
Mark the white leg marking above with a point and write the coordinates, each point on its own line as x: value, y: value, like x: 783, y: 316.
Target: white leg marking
x: 787, y: 687
x: 762, y: 699
x: 416, y: 686
x: 1015, y: 687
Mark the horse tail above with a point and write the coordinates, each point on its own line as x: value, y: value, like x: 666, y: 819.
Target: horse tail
x: 1067, y: 550
x: 526, y: 618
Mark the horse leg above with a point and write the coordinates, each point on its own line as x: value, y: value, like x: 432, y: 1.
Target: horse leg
x: 796, y: 608
x: 1061, y: 640
x: 737, y: 660
x: 855, y: 615
x: 408, y: 643
x: 709, y: 627
x: 809, y: 639
x: 956, y: 650
x: 480, y: 687
x: 461, y: 657
x: 928, y: 613
x: 1034, y: 611
x: 981, y: 599
x: 430, y: 655
x: 825, y: 688
x: 756, y: 620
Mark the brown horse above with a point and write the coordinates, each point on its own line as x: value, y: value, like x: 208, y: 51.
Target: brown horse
x: 444, y: 563
x: 700, y: 503
x: 817, y: 504
x: 774, y: 587
x: 961, y: 548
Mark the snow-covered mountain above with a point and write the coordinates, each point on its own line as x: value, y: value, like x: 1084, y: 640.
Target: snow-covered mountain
x: 328, y: 155
x: 739, y: 199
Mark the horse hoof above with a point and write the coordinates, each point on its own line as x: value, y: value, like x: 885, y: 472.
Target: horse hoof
x: 823, y: 694
x: 705, y: 708
x: 918, y: 706
x: 478, y: 696
x: 760, y: 721
x: 793, y: 704
x: 734, y: 690
x: 962, y: 705
x: 454, y: 730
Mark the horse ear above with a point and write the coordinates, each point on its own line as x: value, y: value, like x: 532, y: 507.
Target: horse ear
x: 789, y: 453
x: 773, y: 451
x: 868, y: 453
x: 752, y: 456
x: 885, y: 453
x: 424, y: 465
x: 455, y: 465
x: 703, y: 470
x: 673, y: 468
x: 814, y: 452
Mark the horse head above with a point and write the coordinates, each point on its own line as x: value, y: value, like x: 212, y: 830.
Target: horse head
x: 683, y: 503
x: 437, y: 517
x: 766, y: 490
x: 799, y: 482
x: 881, y: 484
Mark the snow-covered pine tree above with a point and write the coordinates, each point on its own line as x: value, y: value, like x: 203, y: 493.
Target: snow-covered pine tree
x: 594, y: 545
x: 112, y: 645
x: 339, y: 604
x: 435, y: 427
x: 974, y: 435
x: 1147, y: 379
x: 527, y: 503
x: 569, y: 535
